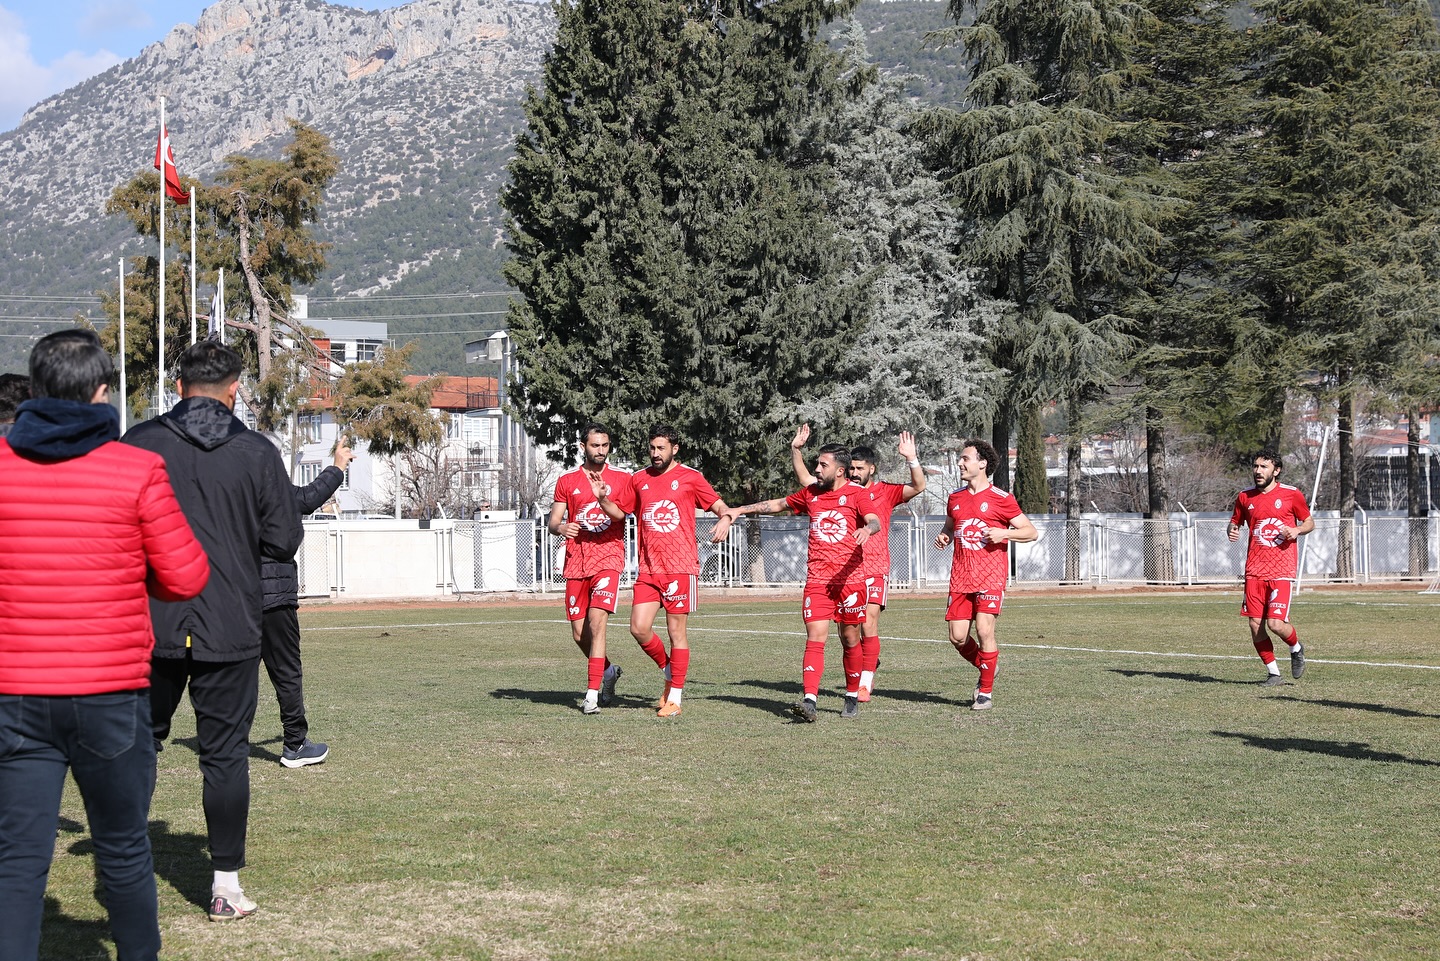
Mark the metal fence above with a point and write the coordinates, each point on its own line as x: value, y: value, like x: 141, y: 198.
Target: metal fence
x: 400, y: 559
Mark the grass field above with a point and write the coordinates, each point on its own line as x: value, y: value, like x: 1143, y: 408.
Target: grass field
x: 1133, y: 794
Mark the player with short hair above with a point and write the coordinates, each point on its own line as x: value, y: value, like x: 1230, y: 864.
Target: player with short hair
x: 1277, y: 516
x: 840, y: 523
x: 594, y: 556
x: 982, y: 520
x: 884, y: 497
x: 665, y: 496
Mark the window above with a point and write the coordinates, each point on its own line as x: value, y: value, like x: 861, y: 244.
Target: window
x: 309, y: 470
x: 338, y: 354
x: 366, y: 349
x: 309, y: 426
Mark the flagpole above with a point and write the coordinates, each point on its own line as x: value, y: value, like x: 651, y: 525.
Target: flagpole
x: 221, y: 324
x: 160, y: 300
x: 123, y: 403
x: 192, y: 266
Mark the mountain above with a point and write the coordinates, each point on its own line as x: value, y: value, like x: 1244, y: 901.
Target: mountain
x: 422, y: 103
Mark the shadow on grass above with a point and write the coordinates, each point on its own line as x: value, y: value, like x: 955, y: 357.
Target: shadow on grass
x: 257, y: 753
x: 62, y: 936
x: 791, y: 692
x: 183, y: 862
x: 1354, y: 750
x: 565, y: 698
x: 1180, y: 676
x: 1361, y: 706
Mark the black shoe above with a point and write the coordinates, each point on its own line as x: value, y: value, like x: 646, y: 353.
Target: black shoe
x: 804, y: 709
x: 852, y: 707
x: 1272, y: 680
x: 307, y: 753
x: 1297, y: 662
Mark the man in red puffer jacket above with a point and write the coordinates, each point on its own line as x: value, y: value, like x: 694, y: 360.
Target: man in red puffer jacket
x: 89, y: 530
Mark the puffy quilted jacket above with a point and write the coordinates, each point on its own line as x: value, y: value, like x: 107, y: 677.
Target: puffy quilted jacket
x: 88, y: 527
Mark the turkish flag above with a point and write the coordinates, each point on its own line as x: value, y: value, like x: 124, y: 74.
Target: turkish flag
x: 165, y: 161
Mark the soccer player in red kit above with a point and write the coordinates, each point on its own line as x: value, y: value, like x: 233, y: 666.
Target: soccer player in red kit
x: 665, y: 496
x: 594, y: 556
x: 840, y: 524
x: 1277, y: 515
x: 982, y: 520
x: 883, y: 498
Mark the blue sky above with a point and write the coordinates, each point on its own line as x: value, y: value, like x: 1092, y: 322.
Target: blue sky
x: 47, y: 46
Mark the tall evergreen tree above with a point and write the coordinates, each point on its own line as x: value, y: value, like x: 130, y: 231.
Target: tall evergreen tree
x: 668, y: 223
x: 1343, y: 201
x: 921, y: 364
x: 1061, y: 232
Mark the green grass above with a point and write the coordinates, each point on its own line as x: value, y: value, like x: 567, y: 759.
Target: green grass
x: 1112, y: 805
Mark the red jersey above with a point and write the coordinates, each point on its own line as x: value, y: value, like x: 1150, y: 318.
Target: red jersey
x: 600, y: 545
x: 980, y: 567
x: 665, y: 507
x: 881, y: 498
x: 835, y: 516
x: 1265, y: 513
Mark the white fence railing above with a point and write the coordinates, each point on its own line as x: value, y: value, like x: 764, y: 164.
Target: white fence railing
x: 382, y: 558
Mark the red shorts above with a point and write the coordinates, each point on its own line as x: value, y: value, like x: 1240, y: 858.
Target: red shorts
x: 677, y: 593
x: 964, y: 607
x: 599, y: 592
x: 877, y: 590
x: 1267, y: 598
x: 843, y: 604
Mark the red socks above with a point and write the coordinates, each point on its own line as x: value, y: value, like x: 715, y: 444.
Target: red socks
x: 597, y: 673
x: 870, y: 650
x: 971, y: 651
x: 852, y: 658
x: 1266, y: 650
x: 987, y: 663
x: 656, y: 649
x: 679, y: 664
x: 814, y: 667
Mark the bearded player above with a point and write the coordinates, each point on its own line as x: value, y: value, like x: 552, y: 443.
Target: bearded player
x: 665, y: 496
x: 982, y: 520
x: 1277, y: 515
x: 840, y: 524
x: 883, y: 498
x: 594, y: 556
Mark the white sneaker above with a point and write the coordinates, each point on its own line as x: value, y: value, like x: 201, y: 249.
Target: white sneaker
x: 607, y: 685
x: 230, y: 905
x: 591, y: 705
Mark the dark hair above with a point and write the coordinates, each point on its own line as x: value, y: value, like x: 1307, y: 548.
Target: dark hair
x: 667, y: 432
x: 208, y: 363
x: 14, y: 391
x: 985, y: 451
x: 1270, y: 455
x: 863, y: 452
x: 69, y: 365
x: 840, y: 453
x: 593, y: 428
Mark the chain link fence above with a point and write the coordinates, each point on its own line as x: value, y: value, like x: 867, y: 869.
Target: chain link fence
x: 367, y: 558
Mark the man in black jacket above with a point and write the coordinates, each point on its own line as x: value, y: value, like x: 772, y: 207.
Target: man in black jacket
x: 280, y: 630
x: 231, y: 484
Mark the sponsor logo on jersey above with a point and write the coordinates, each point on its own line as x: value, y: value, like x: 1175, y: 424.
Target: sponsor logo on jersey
x: 829, y: 527
x: 970, y: 533
x: 662, y: 517
x: 593, y: 519
x: 850, y: 600
x: 1270, y: 532
x: 600, y: 585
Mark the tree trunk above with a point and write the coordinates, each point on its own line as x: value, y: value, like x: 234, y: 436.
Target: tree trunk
x: 1159, y: 545
x: 259, y: 303
x: 1073, y: 530
x: 1345, y: 449
x: 1000, y: 440
x: 1417, y: 503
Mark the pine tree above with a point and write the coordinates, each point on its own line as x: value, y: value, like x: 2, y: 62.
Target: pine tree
x: 670, y: 240
x: 921, y: 364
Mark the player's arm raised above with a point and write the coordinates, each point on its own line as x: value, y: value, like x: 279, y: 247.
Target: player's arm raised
x: 776, y: 505
x: 907, y: 449
x: 601, y: 490
x: 797, y: 456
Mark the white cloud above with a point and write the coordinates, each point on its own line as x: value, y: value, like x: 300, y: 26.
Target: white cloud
x: 24, y: 83
x: 109, y: 16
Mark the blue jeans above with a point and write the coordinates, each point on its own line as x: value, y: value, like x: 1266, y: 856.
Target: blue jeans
x: 105, y: 741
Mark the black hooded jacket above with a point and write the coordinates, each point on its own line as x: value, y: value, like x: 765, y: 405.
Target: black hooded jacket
x: 280, y: 580
x: 232, y: 486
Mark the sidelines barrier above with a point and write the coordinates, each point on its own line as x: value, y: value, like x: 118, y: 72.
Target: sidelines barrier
x: 384, y: 558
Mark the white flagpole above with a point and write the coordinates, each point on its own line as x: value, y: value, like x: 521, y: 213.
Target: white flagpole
x: 160, y: 299
x: 192, y: 267
x: 221, y: 324
x: 123, y: 405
